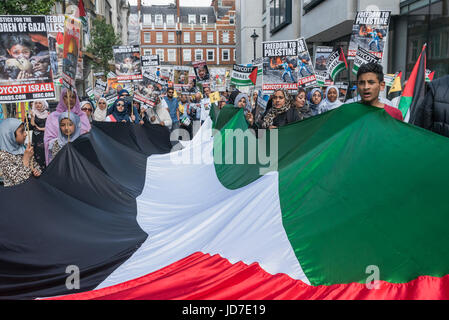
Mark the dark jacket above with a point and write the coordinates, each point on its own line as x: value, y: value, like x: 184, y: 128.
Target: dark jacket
x: 433, y: 113
x: 286, y: 118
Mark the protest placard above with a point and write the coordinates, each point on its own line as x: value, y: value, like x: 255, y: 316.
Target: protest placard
x: 306, y: 72
x: 321, y: 56
x: 280, y: 65
x: 149, y: 61
x: 201, y: 71
x: 369, y: 31
x: 72, y: 29
x: 363, y: 56
x: 25, y: 68
x: 127, y: 63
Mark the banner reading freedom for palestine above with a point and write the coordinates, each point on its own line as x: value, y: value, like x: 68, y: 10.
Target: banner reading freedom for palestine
x: 363, y: 56
x: 370, y: 31
x: 281, y: 61
x: 306, y: 73
x: 25, y: 72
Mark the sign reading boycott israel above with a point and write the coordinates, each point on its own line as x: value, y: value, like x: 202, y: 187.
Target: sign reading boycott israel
x: 280, y: 65
x: 363, y: 56
x: 25, y: 73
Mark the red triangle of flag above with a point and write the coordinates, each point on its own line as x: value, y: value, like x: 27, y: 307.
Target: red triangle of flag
x: 253, y: 76
x: 82, y: 12
x: 343, y: 58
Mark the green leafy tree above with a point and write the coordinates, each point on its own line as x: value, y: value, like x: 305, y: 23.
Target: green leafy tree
x: 26, y: 7
x: 103, y: 38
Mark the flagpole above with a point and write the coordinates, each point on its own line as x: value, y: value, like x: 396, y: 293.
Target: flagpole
x: 28, y: 131
x: 69, y: 93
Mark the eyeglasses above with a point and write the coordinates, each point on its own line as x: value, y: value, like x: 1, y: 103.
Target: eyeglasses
x: 120, y: 105
x: 86, y: 109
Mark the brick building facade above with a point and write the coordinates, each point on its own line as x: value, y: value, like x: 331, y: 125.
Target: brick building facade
x: 182, y: 35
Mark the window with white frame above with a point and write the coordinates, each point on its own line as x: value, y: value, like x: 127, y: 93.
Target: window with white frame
x: 210, y: 55
x: 170, y: 20
x: 235, y: 55
x: 198, y: 37
x: 186, y: 37
x: 158, y: 20
x: 210, y: 37
x: 203, y: 18
x: 171, y: 55
x: 187, y: 55
x: 160, y: 53
x: 158, y: 37
x: 147, y: 52
x: 198, y: 54
x: 192, y: 18
x: 171, y: 37
x: 147, y: 37
x: 225, y: 55
x: 225, y: 37
x: 147, y: 19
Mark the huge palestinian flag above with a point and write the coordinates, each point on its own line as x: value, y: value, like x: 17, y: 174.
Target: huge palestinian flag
x: 140, y: 223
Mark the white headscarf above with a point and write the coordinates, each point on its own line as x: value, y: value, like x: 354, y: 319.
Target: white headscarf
x: 100, y: 115
x: 327, y: 105
x: 40, y: 114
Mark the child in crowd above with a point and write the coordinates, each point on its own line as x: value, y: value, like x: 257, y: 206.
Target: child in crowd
x: 69, y: 130
x: 17, y: 163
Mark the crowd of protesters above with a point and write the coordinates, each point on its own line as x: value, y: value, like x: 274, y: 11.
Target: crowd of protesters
x: 51, y: 131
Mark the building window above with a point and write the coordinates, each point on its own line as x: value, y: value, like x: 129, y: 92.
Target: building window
x: 147, y: 37
x: 187, y: 55
x: 159, y: 37
x: 158, y: 20
x: 203, y: 18
x: 171, y: 37
x: 225, y: 37
x: 192, y: 18
x: 170, y: 20
x: 171, y: 55
x: 435, y: 46
x: 210, y: 55
x: 147, y: 52
x: 232, y: 19
x: 160, y: 53
x: 445, y: 44
x: 198, y: 54
x: 280, y: 14
x: 235, y: 55
x: 225, y: 56
x: 210, y: 37
x: 147, y: 19
x: 198, y: 37
x: 186, y: 37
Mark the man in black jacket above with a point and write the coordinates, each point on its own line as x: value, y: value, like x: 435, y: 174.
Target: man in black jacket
x: 433, y: 113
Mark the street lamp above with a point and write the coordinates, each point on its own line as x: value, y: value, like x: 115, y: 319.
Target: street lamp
x: 254, y: 36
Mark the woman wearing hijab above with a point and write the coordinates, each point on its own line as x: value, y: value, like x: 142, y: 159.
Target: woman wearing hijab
x: 52, y: 125
x: 331, y: 102
x: 88, y: 109
x: 16, y: 162
x: 315, y: 101
x: 39, y: 115
x: 283, y: 111
x: 101, y: 110
x: 69, y: 129
x: 242, y: 102
x: 301, y: 106
x: 119, y: 112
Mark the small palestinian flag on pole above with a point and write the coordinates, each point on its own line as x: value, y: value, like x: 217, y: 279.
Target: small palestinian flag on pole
x: 336, y: 63
x: 253, y: 75
x: 429, y: 75
x: 82, y: 14
x: 414, y: 89
x: 396, y: 88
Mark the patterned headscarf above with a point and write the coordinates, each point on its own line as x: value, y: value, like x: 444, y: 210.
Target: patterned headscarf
x: 274, y: 112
